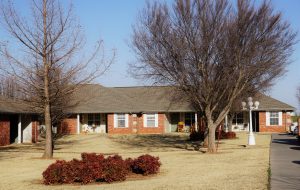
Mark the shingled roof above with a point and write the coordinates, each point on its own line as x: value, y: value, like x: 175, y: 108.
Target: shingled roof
x: 8, y: 105
x: 95, y: 98
x: 98, y: 99
x: 267, y: 103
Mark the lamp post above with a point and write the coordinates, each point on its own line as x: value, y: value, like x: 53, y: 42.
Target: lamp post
x: 251, y: 138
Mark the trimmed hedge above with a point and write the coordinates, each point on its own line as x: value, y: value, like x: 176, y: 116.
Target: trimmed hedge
x: 96, y: 168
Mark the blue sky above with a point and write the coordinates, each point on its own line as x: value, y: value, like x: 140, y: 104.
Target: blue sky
x: 112, y: 20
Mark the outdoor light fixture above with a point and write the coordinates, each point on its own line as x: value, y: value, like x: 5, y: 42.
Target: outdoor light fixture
x: 251, y: 138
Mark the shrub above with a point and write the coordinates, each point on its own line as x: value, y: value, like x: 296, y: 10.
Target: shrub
x: 230, y: 135
x: 146, y: 164
x: 94, y: 167
x: 129, y: 164
x: 226, y: 135
x: 196, y: 135
x: 53, y: 174
x: 114, y: 169
x: 92, y: 157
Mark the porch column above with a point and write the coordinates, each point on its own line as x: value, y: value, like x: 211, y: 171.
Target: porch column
x: 226, y: 123
x: 196, y: 122
x: 78, y: 123
x: 19, y: 130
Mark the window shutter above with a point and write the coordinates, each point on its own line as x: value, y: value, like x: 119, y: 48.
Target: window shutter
x: 115, y: 120
x: 267, y: 118
x: 280, y: 118
x: 145, y: 119
x: 126, y: 120
x: 156, y: 120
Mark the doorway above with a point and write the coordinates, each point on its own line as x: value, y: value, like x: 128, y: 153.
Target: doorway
x: 175, y: 118
x: 14, y: 120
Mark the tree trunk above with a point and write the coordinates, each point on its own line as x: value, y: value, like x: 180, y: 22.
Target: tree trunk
x: 48, y: 123
x: 211, y: 139
x: 48, y: 146
x: 205, y: 141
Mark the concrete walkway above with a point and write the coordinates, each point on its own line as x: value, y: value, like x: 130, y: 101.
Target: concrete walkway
x: 285, y: 162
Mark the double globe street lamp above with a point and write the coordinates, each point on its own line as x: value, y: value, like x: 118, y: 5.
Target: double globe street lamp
x: 251, y: 138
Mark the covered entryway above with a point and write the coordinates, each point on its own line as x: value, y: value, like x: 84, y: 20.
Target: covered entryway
x: 14, y: 120
x: 92, y: 122
x: 26, y: 129
x: 175, y: 118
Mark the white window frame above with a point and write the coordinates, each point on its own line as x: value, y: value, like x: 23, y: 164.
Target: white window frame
x: 145, y: 116
x: 116, y: 120
x: 268, y: 118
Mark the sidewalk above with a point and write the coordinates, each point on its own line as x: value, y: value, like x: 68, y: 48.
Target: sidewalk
x: 285, y: 162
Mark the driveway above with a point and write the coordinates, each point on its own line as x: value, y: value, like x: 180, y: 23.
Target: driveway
x: 285, y: 162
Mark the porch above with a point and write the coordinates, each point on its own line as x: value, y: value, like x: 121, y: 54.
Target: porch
x: 91, y: 123
x: 240, y: 122
x: 18, y: 128
x: 181, y: 121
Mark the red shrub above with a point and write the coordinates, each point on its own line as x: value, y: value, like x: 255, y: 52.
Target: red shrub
x: 129, y: 164
x: 80, y: 171
x: 230, y: 135
x: 95, y: 167
x: 94, y: 164
x: 53, y: 174
x: 92, y: 157
x: 146, y: 164
x: 114, y: 169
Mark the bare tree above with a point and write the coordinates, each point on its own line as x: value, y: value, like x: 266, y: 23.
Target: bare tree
x: 50, y: 65
x: 9, y: 87
x: 212, y: 51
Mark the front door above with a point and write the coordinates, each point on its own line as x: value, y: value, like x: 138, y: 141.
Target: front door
x: 175, y: 118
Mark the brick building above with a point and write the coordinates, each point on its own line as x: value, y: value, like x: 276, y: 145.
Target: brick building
x: 17, y: 123
x: 156, y: 110
x: 133, y: 110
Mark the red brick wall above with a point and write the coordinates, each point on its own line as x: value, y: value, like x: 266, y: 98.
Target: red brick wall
x: 4, y: 130
x: 277, y: 129
x: 35, y: 132
x: 68, y: 126
x: 136, y: 125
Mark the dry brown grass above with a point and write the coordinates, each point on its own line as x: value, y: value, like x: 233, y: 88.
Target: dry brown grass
x: 233, y: 167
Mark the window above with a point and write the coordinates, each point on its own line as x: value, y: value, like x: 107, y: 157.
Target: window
x: 189, y: 119
x: 238, y: 118
x: 93, y: 120
x: 121, y: 120
x: 150, y: 120
x: 274, y: 118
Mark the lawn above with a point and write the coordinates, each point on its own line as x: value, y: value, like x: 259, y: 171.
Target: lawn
x: 235, y: 166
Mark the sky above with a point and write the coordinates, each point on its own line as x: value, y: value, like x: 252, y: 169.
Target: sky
x: 112, y: 20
